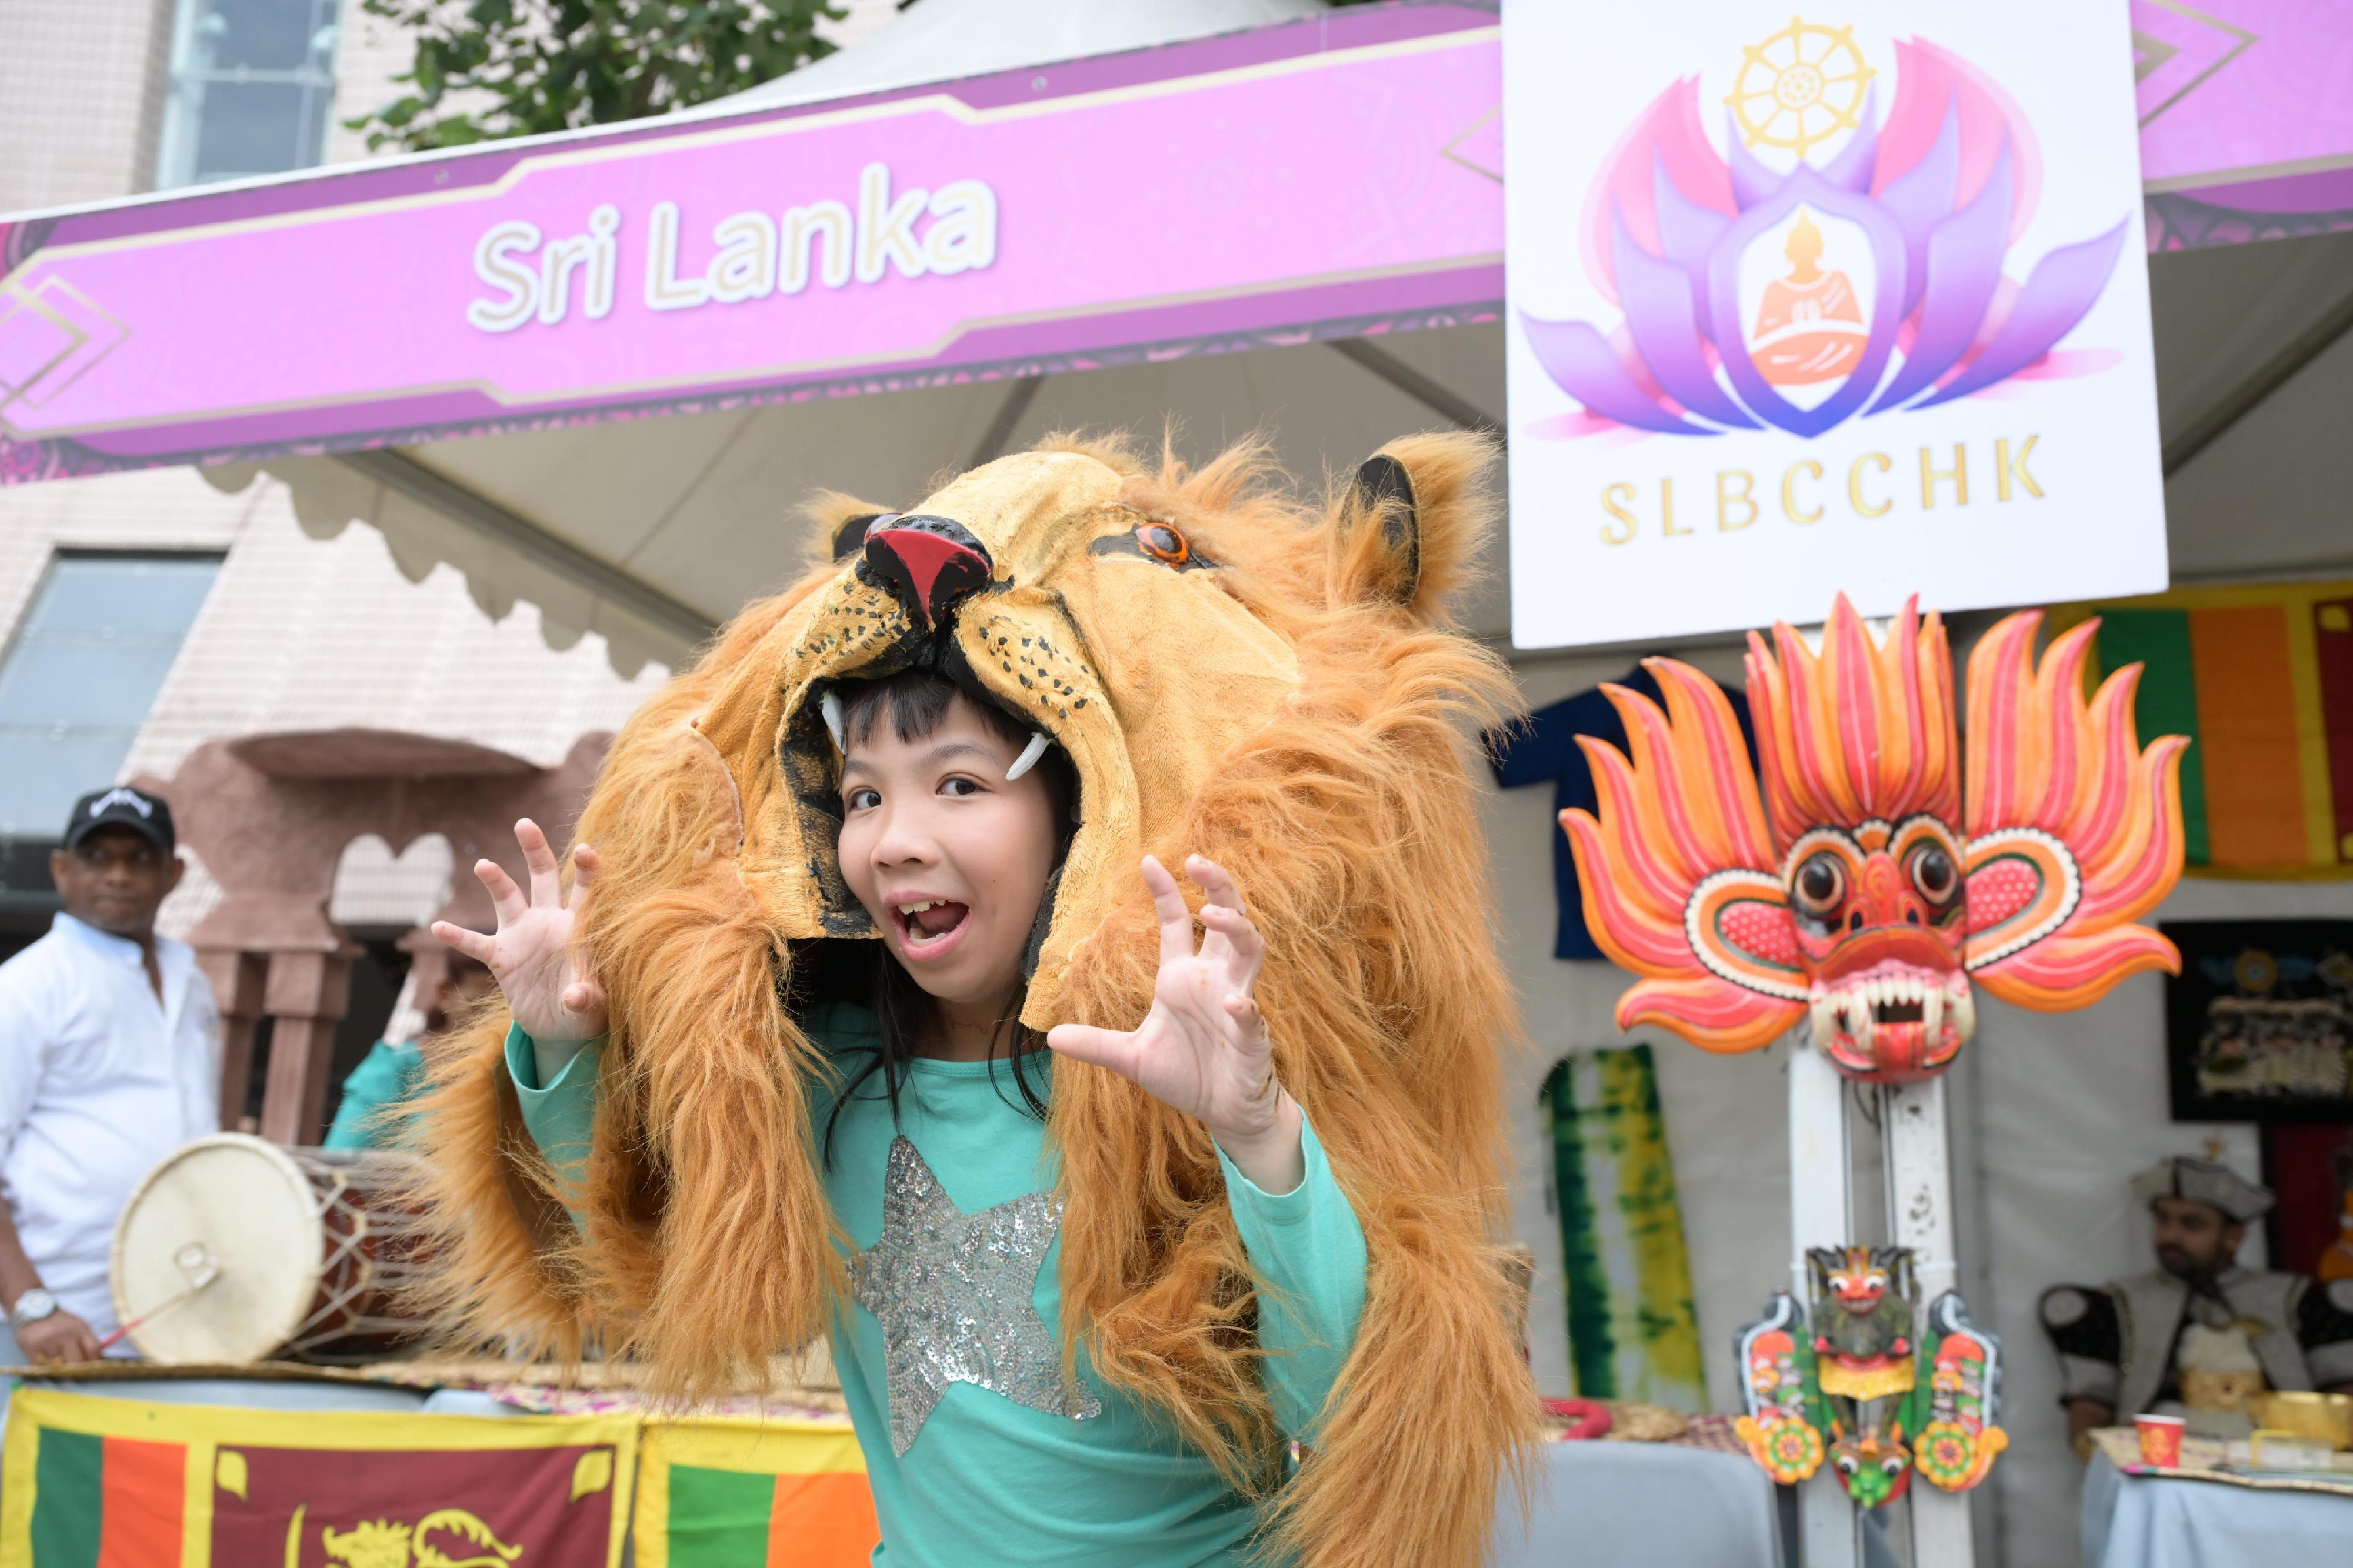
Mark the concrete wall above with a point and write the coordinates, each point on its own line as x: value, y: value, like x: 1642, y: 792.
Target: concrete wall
x: 81, y: 99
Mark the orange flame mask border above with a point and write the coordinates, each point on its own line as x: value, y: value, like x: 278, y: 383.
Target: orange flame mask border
x: 1881, y: 872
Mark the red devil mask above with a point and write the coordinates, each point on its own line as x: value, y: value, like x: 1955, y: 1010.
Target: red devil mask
x: 1879, y: 875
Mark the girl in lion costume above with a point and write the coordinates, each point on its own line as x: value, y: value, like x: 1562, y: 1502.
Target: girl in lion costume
x: 1082, y: 1302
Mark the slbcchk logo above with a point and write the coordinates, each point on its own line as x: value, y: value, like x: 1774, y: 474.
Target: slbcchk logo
x: 1759, y: 289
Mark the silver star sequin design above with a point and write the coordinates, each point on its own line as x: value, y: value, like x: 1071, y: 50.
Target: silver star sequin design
x: 953, y: 1293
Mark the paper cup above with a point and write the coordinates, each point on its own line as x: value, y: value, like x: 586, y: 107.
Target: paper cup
x: 2160, y: 1439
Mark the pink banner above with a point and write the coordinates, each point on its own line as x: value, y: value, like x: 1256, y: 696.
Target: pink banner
x: 2246, y: 117
x: 1246, y: 189
x: 1326, y: 178
x: 2237, y: 91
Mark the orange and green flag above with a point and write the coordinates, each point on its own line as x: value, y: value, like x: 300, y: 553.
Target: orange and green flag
x: 2261, y: 679
x: 735, y: 1493
x: 107, y: 1502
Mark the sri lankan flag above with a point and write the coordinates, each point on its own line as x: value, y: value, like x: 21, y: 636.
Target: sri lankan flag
x: 2260, y: 679
x: 94, y: 1482
x: 736, y: 1492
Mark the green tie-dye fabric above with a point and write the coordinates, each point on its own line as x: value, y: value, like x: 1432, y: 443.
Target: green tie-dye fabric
x: 1632, y: 1331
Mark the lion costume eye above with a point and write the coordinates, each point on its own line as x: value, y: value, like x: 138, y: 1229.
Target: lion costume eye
x: 1819, y: 885
x: 1164, y: 543
x: 1157, y: 540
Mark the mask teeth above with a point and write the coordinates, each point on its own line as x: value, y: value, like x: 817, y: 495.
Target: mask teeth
x: 831, y: 707
x: 1029, y: 757
x: 1932, y: 1016
x: 1860, y: 1022
x: 1825, y: 1017
x: 1961, y: 1006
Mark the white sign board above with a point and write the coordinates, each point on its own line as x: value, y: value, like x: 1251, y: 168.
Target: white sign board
x: 1855, y: 300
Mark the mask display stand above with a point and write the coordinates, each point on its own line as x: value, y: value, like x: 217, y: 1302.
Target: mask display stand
x: 1918, y: 1175
x: 1822, y: 1214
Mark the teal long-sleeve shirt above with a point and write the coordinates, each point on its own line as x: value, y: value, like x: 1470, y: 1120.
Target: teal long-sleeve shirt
x: 368, y: 1116
x: 950, y: 1360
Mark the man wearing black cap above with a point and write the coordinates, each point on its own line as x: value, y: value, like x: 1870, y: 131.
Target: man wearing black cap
x: 110, y: 1058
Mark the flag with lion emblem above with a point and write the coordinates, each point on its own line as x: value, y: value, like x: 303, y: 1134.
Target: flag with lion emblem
x: 91, y: 1482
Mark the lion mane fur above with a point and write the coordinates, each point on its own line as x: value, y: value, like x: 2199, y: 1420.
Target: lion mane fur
x: 1349, y: 821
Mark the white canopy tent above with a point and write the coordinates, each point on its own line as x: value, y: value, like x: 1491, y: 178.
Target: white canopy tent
x: 653, y: 532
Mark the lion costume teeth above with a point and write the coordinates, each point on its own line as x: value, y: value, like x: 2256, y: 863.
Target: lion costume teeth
x: 1231, y: 673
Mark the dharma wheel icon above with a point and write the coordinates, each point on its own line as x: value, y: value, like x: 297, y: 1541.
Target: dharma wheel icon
x: 1801, y: 86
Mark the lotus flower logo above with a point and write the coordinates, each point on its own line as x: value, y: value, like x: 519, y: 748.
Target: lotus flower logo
x: 1759, y: 289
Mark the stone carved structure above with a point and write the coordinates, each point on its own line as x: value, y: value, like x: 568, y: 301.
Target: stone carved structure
x: 270, y: 814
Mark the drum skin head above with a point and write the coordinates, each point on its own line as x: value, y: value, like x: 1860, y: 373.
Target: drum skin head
x: 249, y: 1205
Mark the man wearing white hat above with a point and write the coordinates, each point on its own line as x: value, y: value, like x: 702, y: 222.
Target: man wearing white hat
x: 2119, y: 1344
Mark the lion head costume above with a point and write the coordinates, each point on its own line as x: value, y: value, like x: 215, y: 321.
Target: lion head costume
x: 1230, y: 672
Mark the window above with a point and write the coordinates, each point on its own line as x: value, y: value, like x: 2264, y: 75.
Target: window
x: 83, y: 671
x: 252, y: 83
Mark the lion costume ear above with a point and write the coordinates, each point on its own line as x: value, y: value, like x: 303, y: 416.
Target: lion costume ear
x: 840, y: 521
x: 1411, y: 521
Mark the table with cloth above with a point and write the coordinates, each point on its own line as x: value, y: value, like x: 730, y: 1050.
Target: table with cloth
x: 1692, y: 1497
x: 1685, y: 1500
x: 1599, y: 1502
x: 2169, y: 1521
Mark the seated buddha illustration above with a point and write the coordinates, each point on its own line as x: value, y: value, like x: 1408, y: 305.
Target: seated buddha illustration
x: 1810, y: 327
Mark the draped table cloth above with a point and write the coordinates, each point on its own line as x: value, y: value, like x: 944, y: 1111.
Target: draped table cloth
x: 2157, y: 1521
x: 1642, y: 1503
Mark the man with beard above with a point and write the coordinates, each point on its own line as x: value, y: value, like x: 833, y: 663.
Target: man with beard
x: 2119, y: 1344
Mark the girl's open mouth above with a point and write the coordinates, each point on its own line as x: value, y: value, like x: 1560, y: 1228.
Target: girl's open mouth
x: 928, y: 928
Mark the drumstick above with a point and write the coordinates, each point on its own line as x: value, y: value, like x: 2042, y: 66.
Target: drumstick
x: 196, y: 1260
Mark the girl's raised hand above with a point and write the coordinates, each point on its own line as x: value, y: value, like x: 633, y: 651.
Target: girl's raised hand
x: 531, y: 955
x: 1203, y: 1048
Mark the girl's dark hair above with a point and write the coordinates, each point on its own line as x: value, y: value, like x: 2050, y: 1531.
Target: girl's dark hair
x: 915, y: 701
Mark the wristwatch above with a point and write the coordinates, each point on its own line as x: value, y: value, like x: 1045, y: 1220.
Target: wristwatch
x: 31, y: 1307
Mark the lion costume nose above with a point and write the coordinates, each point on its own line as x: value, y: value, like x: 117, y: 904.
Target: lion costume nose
x: 929, y: 561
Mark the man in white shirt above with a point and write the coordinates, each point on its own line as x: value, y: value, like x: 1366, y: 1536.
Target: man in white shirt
x: 110, y: 1058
